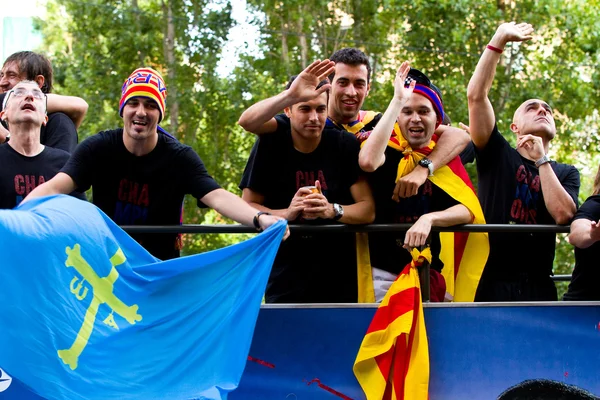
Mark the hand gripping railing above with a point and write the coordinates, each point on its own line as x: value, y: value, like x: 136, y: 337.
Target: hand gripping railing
x: 424, y: 271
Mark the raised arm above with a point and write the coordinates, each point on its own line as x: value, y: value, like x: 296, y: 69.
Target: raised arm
x: 60, y: 184
x: 74, y: 107
x: 372, y: 153
x: 259, y: 118
x: 481, y: 112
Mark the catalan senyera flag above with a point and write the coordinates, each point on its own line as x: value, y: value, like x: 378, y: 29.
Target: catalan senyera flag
x: 87, y: 313
x: 464, y: 254
x: 393, y: 360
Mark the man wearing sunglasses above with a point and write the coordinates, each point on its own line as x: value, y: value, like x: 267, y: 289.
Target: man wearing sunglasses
x: 518, y: 186
x: 26, y: 163
x: 65, y: 113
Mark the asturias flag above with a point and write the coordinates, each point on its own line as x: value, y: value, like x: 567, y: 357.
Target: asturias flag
x: 87, y: 313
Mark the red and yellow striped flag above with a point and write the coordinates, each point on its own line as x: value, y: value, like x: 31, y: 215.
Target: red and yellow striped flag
x: 393, y: 360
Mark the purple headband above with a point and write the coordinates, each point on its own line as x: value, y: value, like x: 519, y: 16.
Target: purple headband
x: 435, y: 100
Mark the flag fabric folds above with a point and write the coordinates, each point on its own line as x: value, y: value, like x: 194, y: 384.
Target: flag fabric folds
x: 464, y: 254
x: 393, y: 360
x: 87, y: 313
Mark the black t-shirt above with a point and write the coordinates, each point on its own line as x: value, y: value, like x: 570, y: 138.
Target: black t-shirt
x: 21, y: 174
x: 316, y: 267
x: 59, y: 132
x: 510, y: 193
x: 585, y: 284
x: 385, y: 248
x: 146, y: 190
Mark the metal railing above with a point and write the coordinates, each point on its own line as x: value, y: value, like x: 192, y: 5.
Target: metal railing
x: 424, y: 270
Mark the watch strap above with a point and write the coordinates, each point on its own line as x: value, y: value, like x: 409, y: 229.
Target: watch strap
x: 256, y: 222
x: 545, y: 159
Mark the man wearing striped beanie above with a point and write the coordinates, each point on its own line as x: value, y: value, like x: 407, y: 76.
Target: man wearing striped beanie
x: 139, y: 175
x: 400, y: 142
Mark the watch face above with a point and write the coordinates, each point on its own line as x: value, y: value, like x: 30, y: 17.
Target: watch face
x: 424, y: 162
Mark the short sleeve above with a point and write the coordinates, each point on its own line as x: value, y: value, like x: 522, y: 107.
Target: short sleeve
x: 249, y: 166
x: 80, y: 166
x: 571, y: 182
x: 590, y: 209
x: 492, y: 152
x: 59, y: 133
x: 199, y: 182
x: 350, y: 148
x: 261, y: 162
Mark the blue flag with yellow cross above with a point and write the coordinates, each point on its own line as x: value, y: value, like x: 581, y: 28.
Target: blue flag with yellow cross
x: 87, y: 313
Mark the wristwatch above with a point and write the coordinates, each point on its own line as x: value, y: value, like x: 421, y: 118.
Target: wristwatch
x: 338, y: 210
x: 545, y: 159
x: 255, y: 220
x: 427, y: 163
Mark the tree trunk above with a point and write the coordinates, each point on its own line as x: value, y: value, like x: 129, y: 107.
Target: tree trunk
x: 169, y: 50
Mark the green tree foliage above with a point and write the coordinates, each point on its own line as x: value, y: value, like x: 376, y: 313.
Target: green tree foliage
x: 96, y: 44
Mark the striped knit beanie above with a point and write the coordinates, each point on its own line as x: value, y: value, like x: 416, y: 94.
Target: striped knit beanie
x: 425, y: 88
x: 144, y: 82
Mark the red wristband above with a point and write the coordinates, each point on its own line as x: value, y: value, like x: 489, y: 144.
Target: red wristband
x: 492, y: 48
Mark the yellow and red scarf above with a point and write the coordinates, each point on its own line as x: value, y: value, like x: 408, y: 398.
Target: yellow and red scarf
x: 464, y: 254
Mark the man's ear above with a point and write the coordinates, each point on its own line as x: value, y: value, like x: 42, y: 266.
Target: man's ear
x: 514, y: 128
x: 40, y: 80
x: 288, y: 111
x: 45, y: 120
x: 3, y: 115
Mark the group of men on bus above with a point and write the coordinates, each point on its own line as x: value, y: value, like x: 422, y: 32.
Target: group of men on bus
x: 324, y: 160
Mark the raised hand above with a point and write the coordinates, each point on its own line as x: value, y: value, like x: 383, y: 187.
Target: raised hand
x: 304, y: 87
x: 512, y: 32
x: 401, y: 92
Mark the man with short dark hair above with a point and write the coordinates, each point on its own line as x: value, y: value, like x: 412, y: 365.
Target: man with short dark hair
x: 26, y: 163
x: 140, y: 176
x: 350, y: 85
x: 65, y: 113
x: 518, y: 186
x: 307, y: 174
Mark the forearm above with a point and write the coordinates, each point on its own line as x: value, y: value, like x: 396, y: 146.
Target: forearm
x: 452, y: 141
x: 60, y: 184
x: 481, y: 111
x: 581, y: 233
x: 371, y: 154
x: 74, y: 107
x: 362, y: 212
x: 230, y: 206
x: 278, y: 213
x: 257, y: 118
x: 558, y: 202
x: 455, y: 215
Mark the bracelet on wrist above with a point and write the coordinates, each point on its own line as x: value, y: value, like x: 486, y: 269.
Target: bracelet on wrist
x: 493, y: 48
x: 256, y: 222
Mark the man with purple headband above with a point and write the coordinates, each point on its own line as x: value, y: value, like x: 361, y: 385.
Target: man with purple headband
x: 446, y: 198
x: 139, y: 176
x: 518, y: 186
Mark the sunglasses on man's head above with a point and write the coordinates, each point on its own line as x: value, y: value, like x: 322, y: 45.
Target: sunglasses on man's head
x: 416, y: 75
